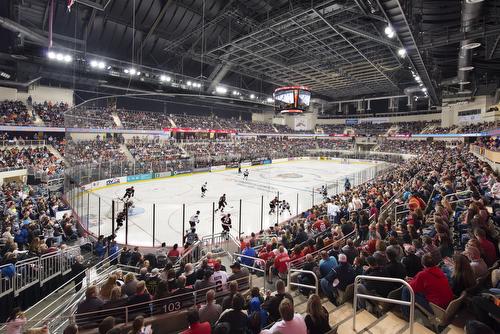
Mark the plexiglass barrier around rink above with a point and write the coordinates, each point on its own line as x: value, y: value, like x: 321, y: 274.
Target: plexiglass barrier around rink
x: 109, y: 149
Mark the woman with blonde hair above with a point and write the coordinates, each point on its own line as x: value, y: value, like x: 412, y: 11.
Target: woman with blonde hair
x: 317, y: 316
x: 105, y: 293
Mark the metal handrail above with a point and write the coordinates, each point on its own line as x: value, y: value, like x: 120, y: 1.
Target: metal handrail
x: 255, y: 260
x: 189, y: 252
x: 458, y: 193
x: 411, y: 303
x: 292, y: 263
x: 316, y: 280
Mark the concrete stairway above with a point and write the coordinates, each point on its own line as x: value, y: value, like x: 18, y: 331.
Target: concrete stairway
x: 172, y: 123
x: 117, y: 120
x: 55, y: 152
x: 341, y: 317
x: 126, y: 151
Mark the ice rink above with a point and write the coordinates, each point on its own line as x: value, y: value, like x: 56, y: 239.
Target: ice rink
x: 294, y: 180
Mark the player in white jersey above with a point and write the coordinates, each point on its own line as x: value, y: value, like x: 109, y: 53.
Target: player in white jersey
x: 285, y: 206
x: 245, y: 174
x: 195, y: 219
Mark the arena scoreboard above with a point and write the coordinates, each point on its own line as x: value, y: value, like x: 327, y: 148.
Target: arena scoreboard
x: 292, y: 99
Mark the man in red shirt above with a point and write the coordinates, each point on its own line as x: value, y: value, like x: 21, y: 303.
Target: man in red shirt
x: 430, y: 286
x: 195, y: 326
x: 487, y: 247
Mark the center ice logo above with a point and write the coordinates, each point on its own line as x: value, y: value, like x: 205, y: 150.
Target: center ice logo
x: 289, y: 176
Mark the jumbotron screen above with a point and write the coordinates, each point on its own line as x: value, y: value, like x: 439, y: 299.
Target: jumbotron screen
x: 292, y: 99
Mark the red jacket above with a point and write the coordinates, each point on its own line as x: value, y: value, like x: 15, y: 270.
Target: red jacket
x: 434, y: 285
x: 490, y: 254
x: 198, y: 328
x: 280, y: 262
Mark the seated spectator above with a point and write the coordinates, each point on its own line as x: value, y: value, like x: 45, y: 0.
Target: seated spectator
x: 463, y: 276
x: 141, y: 296
x: 257, y: 317
x: 240, y: 274
x: 394, y: 268
x: 15, y: 321
x: 211, y: 311
x: 379, y: 288
x: 477, y: 264
x: 235, y: 316
x: 411, y: 261
x: 130, y: 286
x: 218, y: 278
x: 271, y: 304
x: 116, y: 300
x: 338, y: 278
x: 195, y: 325
x: 292, y: 322
x: 228, y: 300
x: 106, y: 324
x: 317, y: 316
x: 430, y: 286
x: 487, y: 247
x: 71, y: 329
x: 350, y: 251
x: 326, y: 264
x: 138, y: 326
x: 91, y: 303
x: 105, y: 292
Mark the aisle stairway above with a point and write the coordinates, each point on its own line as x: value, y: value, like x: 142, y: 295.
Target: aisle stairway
x: 117, y: 120
x: 126, y: 151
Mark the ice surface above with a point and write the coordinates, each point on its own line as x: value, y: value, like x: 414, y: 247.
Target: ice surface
x: 293, y: 180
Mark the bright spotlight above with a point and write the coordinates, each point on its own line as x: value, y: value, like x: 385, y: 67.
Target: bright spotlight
x: 138, y: 73
x: 389, y: 32
x: 126, y: 70
x: 93, y: 63
x: 67, y: 58
x: 252, y: 96
x: 132, y: 71
x: 417, y: 78
x: 269, y: 100
x: 59, y: 56
x: 189, y: 83
x: 402, y: 52
x: 235, y: 92
x: 51, y: 55
x: 101, y: 65
x: 424, y: 89
x: 221, y: 90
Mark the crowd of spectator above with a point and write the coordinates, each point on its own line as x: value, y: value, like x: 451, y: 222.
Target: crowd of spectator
x: 37, y: 157
x: 51, y: 114
x: 153, y: 152
x: 414, y: 127
x: 477, y: 127
x: 97, y: 118
x: 93, y: 151
x: 490, y: 143
x: 143, y: 120
x: 15, y: 113
x: 409, y: 146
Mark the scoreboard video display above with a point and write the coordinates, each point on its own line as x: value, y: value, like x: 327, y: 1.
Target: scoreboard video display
x: 294, y: 99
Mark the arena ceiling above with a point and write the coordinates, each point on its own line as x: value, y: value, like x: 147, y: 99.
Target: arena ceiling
x: 338, y: 48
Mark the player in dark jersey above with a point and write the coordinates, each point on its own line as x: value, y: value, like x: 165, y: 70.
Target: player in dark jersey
x: 273, y: 204
x: 203, y: 189
x: 129, y: 192
x: 222, y: 203
x: 347, y: 185
x: 226, y: 224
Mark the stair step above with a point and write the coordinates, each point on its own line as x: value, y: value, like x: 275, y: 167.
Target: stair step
x: 328, y: 305
x: 364, y: 319
x: 389, y: 324
x: 452, y: 329
x: 340, y: 314
x: 418, y: 328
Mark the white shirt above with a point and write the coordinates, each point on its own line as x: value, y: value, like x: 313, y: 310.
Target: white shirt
x: 194, y: 219
x: 219, y: 279
x: 333, y: 209
x: 295, y: 326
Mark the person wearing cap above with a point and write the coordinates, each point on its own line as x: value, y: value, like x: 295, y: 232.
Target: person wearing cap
x: 411, y: 261
x: 239, y: 274
x: 218, y: 278
x: 338, y: 277
x: 152, y: 280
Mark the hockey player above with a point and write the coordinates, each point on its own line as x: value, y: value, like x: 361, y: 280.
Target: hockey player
x: 245, y: 174
x: 226, y: 224
x: 324, y: 192
x: 273, y: 204
x: 195, y: 219
x: 285, y: 206
x: 203, y: 189
x: 347, y: 184
x: 222, y: 203
x: 129, y: 192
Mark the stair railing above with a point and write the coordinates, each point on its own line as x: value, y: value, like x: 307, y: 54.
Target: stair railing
x: 357, y: 295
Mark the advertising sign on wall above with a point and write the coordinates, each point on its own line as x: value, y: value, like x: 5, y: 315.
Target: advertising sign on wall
x: 182, y: 171
x: 217, y: 168
x: 161, y: 174
x: 139, y: 177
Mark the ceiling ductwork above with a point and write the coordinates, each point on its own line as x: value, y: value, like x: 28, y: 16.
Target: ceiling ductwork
x: 471, y: 11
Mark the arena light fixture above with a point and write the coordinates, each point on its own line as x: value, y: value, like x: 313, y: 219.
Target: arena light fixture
x: 189, y: 83
x: 51, y: 55
x: 221, y: 90
x: 417, y: 78
x: 466, y: 68
x: 269, y: 100
x: 165, y: 78
x: 126, y: 70
x: 93, y: 63
x: 132, y: 71
x: 471, y: 46
x: 236, y: 93
x: 402, y: 52
x: 252, y: 96
x: 389, y: 32
x: 424, y: 89
x: 67, y: 58
x: 59, y: 56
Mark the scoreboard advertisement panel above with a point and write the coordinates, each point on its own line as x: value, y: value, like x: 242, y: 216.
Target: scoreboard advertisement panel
x: 293, y: 99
